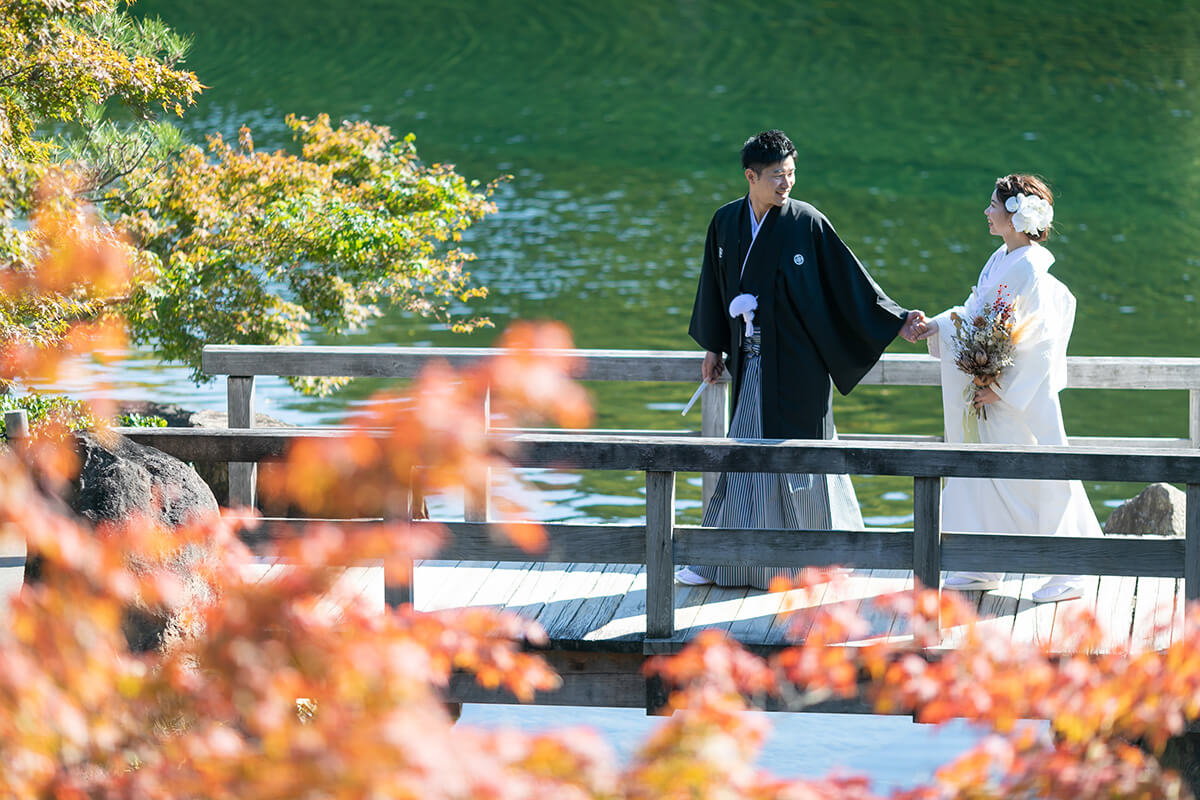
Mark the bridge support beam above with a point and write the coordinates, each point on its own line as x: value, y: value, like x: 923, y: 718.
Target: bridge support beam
x: 660, y: 562
x: 927, y: 531
x: 242, y: 475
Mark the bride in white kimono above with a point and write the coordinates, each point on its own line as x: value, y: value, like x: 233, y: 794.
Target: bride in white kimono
x: 1022, y: 402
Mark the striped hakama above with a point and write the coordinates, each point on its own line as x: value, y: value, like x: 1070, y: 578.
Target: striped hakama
x: 748, y: 500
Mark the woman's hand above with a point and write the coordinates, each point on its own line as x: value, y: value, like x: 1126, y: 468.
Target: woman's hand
x: 931, y: 329
x: 985, y: 395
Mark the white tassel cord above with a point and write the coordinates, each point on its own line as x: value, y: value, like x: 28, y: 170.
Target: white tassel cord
x: 744, y: 306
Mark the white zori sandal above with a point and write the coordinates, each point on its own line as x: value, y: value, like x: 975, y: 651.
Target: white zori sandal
x: 972, y: 581
x: 1056, y: 590
x: 687, y: 577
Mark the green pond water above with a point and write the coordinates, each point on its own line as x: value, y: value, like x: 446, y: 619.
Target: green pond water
x: 620, y: 124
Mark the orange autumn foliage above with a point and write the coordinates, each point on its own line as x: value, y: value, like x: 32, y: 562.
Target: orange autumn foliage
x: 274, y: 691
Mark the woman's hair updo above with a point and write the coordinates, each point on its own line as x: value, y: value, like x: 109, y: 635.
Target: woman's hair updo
x: 1013, y: 185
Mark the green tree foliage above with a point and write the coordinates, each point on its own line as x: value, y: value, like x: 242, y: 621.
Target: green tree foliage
x: 228, y: 245
x: 59, y: 58
x: 259, y: 248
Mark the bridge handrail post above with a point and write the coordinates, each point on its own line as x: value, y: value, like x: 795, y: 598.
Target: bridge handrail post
x: 399, y: 574
x: 1191, y: 545
x: 240, y: 409
x: 927, y: 532
x: 1194, y: 417
x: 714, y: 415
x: 660, y: 567
x: 477, y: 489
x: 16, y: 425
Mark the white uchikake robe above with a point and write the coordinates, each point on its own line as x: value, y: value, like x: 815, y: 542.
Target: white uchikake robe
x: 1028, y: 411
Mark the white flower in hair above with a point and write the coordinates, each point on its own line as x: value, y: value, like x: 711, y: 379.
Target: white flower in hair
x: 1030, y: 214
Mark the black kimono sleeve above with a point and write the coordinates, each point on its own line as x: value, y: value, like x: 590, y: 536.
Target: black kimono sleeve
x: 710, y: 320
x: 860, y: 320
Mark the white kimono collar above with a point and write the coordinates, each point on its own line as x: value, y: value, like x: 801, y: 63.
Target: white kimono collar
x: 1002, y: 261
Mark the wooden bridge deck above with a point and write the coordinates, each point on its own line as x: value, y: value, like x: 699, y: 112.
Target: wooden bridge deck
x: 602, y: 608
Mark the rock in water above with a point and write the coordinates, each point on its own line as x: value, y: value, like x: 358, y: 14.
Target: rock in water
x: 1158, y: 509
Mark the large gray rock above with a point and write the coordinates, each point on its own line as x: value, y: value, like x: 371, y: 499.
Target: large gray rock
x: 119, y: 478
x: 1158, y: 509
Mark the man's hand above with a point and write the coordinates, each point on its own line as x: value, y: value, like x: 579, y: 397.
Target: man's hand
x: 712, y: 368
x: 914, y: 326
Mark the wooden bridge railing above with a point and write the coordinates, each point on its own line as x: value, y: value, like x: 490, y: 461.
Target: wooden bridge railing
x: 925, y: 549
x: 242, y: 363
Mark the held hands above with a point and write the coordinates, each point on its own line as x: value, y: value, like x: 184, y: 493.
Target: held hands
x: 917, y: 327
x: 712, y: 368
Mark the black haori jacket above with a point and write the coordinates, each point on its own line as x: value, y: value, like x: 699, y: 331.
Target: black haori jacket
x: 821, y: 314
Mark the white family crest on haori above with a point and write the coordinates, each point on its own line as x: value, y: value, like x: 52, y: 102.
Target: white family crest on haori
x: 743, y: 306
x: 1030, y: 214
x: 798, y: 259
x: 720, y: 252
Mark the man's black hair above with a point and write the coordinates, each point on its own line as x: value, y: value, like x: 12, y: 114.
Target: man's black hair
x: 768, y: 147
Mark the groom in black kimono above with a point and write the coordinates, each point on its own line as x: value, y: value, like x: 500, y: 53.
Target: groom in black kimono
x: 820, y: 321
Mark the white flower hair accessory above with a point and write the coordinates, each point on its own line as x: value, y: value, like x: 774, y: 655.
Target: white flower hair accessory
x: 1030, y: 214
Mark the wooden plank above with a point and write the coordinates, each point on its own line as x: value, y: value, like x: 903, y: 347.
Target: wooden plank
x: 458, y: 589
x: 718, y: 611
x: 242, y: 474
x: 1146, y: 612
x: 429, y: 575
x: 1107, y: 555
x: 628, y: 621
x: 1191, y: 565
x: 897, y: 580
x: 660, y: 568
x: 883, y: 548
x: 1041, y: 614
x: 597, y: 543
x: 795, y: 619
x: 1114, y: 610
x: 714, y: 422
x: 871, y: 585
x: 610, y: 589
x: 688, y: 602
x: 501, y: 584
x: 698, y: 454
x: 876, y: 458
x: 1194, y: 416
x: 927, y: 532
x: 407, y: 362
x: 1170, y: 619
x: 1061, y: 635
x: 996, y: 610
x: 755, y: 617
x: 613, y: 690
x: 577, y: 588
x: 905, y: 369
x: 477, y: 484
x: 536, y: 588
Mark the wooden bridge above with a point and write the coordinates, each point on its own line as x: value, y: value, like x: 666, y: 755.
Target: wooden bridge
x: 605, y: 592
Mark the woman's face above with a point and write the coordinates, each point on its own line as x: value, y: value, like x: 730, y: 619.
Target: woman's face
x: 999, y: 220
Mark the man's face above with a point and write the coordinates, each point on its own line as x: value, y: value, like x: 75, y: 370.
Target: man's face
x: 774, y: 184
